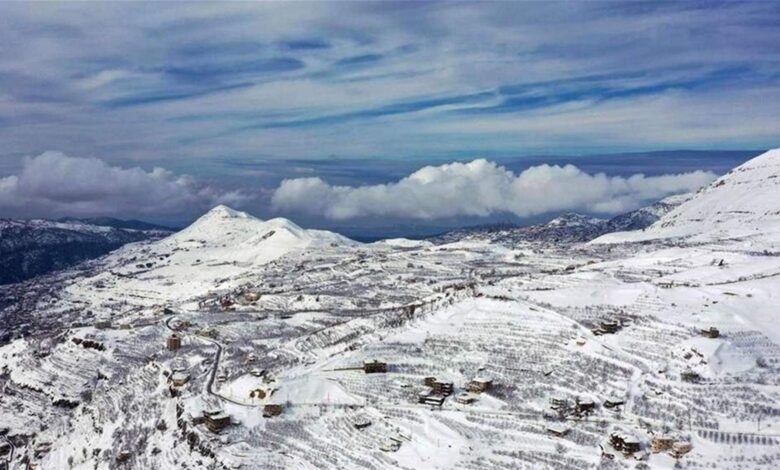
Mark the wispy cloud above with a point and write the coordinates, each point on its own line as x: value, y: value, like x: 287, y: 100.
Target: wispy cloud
x: 258, y: 78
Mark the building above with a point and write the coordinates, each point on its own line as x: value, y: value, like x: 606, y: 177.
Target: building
x: 613, y: 402
x: 179, y: 379
x: 689, y: 376
x: 103, y: 324
x: 441, y: 388
x: 174, y: 342
x: 123, y: 456
x: 711, y: 332
x: 610, y: 326
x: 627, y: 443
x: 361, y: 422
x: 558, y: 402
x: 374, y: 366
x: 428, y: 397
x: 680, y: 448
x: 390, y: 444
x: 479, y: 385
x: 272, y: 409
x: 466, y: 398
x: 216, y: 420
x: 557, y: 429
x: 584, y: 405
x: 661, y: 443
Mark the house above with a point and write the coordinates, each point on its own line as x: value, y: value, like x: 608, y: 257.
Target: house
x: 584, y: 405
x: 466, y: 398
x: 680, y: 448
x: 661, y: 443
x: 689, y: 376
x: 434, y: 399
x: 666, y: 284
x: 272, y: 409
x: 123, y: 456
x: 216, y: 420
x: 360, y: 422
x: 613, y: 402
x: 226, y: 303
x: 374, y: 366
x: 627, y: 443
x: 174, y: 342
x: 179, y: 379
x: 711, y: 332
x: 479, y: 385
x: 390, y: 444
x: 557, y: 429
x: 442, y: 388
x: 558, y: 402
x: 610, y: 326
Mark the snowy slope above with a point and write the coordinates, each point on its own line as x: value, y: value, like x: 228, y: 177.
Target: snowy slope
x: 29, y: 248
x: 741, y: 203
x: 211, y: 253
x: 569, y: 227
x: 228, y: 235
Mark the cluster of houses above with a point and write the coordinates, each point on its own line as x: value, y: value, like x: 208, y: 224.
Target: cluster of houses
x: 628, y: 444
x: 436, y: 391
x: 560, y: 407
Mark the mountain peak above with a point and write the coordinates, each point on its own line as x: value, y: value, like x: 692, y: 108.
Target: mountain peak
x: 224, y: 212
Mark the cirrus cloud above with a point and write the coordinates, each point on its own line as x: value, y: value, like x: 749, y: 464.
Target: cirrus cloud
x: 54, y: 184
x: 482, y: 188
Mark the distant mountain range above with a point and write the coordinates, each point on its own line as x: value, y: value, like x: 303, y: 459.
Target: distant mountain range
x: 567, y: 228
x: 29, y: 248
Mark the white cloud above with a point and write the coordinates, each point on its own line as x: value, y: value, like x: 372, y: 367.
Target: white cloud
x: 54, y: 184
x: 482, y: 188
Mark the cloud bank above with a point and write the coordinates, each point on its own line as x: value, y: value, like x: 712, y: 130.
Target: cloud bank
x: 54, y: 184
x: 482, y: 188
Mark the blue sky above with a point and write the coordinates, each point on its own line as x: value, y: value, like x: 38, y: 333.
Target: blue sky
x: 204, y: 89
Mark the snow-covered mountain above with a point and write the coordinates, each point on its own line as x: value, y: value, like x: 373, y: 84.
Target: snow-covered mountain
x: 568, y: 228
x: 240, y: 343
x: 214, y: 251
x: 29, y: 248
x: 745, y: 202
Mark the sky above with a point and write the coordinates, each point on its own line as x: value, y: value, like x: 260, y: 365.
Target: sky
x: 378, y: 113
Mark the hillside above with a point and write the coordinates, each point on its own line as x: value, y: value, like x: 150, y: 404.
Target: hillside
x: 744, y: 203
x: 243, y: 343
x: 30, y: 248
x: 567, y: 228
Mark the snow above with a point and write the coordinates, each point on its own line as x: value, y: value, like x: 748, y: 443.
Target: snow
x: 454, y: 311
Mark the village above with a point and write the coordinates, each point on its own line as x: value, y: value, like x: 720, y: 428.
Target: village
x: 416, y: 356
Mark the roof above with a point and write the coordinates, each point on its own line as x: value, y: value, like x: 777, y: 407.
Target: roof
x: 557, y: 428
